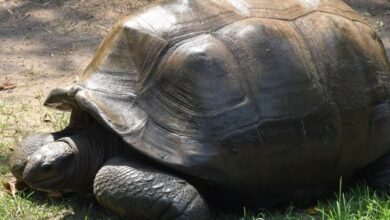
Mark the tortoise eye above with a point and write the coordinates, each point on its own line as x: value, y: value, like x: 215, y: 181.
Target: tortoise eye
x: 46, y: 167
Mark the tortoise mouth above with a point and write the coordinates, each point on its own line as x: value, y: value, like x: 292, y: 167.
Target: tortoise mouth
x: 52, y: 181
x: 48, y: 184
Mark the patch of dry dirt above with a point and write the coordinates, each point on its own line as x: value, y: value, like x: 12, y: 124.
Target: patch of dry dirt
x: 46, y: 44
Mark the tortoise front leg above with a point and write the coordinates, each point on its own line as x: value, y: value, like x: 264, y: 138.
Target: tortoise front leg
x: 135, y: 190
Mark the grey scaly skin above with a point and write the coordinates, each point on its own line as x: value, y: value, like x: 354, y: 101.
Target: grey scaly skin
x: 89, y: 160
x: 136, y: 190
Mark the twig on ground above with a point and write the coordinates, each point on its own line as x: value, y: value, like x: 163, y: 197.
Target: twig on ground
x: 48, y: 31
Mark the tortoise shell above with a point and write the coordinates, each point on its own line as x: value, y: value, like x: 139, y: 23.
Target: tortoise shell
x: 247, y: 94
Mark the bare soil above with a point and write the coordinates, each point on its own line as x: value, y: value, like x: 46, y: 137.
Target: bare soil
x: 46, y: 44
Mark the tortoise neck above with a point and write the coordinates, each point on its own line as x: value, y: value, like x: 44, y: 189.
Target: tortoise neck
x: 92, y: 148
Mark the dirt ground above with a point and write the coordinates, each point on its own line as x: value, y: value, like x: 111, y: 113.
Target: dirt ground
x: 46, y: 43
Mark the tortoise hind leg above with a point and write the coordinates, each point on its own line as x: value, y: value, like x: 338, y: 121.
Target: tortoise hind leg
x: 137, y: 191
x: 378, y: 173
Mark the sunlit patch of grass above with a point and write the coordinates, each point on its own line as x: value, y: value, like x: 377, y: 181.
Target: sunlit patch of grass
x: 359, y: 202
x: 20, y: 117
x: 25, y: 206
x: 31, y: 204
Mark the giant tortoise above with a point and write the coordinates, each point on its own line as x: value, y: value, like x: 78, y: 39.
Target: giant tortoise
x: 191, y: 104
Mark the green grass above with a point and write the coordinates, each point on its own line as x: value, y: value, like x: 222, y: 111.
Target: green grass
x: 27, y: 205
x: 31, y: 204
x: 359, y: 202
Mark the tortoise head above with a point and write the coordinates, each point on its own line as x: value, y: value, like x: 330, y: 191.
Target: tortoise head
x: 70, y: 163
x: 51, y: 167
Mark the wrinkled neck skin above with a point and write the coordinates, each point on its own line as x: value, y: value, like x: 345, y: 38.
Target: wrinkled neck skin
x: 92, y: 148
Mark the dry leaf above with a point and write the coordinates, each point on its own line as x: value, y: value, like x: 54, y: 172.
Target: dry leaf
x: 7, y: 85
x: 11, y: 147
x: 46, y: 117
x: 12, y: 185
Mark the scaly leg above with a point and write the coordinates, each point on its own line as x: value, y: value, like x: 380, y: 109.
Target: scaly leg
x: 135, y: 190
